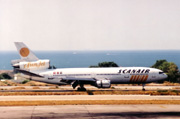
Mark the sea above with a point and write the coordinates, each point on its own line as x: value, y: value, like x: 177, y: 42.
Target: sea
x: 74, y: 59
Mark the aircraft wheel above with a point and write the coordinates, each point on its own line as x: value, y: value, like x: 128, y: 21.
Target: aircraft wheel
x: 81, y: 89
x: 143, y: 85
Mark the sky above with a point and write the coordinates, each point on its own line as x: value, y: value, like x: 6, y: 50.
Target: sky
x: 90, y: 24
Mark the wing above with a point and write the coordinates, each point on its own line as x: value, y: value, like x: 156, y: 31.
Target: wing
x: 79, y: 79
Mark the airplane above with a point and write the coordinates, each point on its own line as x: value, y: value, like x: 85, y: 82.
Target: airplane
x: 39, y: 70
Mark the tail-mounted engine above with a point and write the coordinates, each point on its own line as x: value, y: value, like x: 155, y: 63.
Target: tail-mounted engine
x: 31, y: 66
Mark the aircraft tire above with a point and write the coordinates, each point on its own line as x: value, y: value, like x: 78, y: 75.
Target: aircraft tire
x: 81, y: 89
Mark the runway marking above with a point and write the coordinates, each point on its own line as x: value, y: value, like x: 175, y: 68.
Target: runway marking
x: 162, y: 106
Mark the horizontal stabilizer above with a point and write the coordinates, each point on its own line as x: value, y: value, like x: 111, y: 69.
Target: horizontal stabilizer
x: 29, y: 73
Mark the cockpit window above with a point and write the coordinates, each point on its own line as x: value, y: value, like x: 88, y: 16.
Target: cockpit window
x: 161, y: 72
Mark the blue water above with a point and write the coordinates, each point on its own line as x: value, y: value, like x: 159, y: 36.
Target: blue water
x: 70, y: 59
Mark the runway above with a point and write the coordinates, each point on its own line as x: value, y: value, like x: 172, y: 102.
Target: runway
x: 91, y: 112
x: 132, y: 111
x: 88, y: 87
x: 86, y: 97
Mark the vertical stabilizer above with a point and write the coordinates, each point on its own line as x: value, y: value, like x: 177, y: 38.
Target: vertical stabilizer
x: 25, y: 53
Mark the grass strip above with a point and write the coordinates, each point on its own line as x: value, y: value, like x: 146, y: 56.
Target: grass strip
x: 87, y: 102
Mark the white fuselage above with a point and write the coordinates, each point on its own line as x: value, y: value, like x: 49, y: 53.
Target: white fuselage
x: 115, y: 75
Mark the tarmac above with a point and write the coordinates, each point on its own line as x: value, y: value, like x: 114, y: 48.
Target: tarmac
x: 88, y: 87
x: 160, y: 111
x: 86, y: 97
x: 91, y: 112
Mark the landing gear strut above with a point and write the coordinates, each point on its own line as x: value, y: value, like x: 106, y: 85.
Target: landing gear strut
x: 143, y: 85
x: 81, y: 88
x: 75, y: 84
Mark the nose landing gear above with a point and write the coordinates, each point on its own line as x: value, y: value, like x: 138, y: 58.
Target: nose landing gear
x: 143, y: 85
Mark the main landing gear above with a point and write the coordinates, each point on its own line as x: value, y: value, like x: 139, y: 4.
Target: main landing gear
x: 143, y: 85
x: 81, y: 88
x: 76, y: 83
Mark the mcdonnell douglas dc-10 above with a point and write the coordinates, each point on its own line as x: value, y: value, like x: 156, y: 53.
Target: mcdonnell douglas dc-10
x: 38, y: 70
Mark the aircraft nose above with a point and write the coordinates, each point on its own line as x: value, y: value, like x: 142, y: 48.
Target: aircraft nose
x: 162, y: 75
x: 165, y: 76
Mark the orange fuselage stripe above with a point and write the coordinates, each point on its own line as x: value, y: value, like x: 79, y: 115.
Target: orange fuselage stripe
x: 134, y: 78
x: 146, y: 77
x: 138, y: 78
x: 131, y: 78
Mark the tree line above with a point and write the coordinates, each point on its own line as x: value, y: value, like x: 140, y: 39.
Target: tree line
x: 170, y: 68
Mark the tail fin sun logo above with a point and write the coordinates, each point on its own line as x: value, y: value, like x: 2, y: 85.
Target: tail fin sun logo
x: 24, y: 52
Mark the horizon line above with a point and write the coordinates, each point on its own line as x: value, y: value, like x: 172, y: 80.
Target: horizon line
x: 94, y: 50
